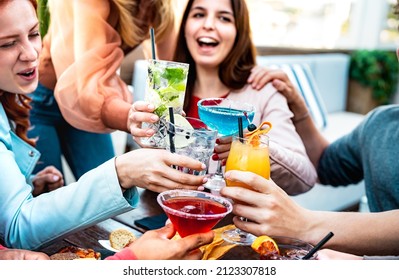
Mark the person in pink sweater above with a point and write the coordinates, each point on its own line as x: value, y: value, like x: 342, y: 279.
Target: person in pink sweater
x: 215, y: 39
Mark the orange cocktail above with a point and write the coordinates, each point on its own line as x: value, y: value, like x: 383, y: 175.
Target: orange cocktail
x: 249, y: 154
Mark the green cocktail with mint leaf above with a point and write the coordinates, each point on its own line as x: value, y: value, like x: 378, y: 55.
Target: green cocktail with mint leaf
x: 166, y: 86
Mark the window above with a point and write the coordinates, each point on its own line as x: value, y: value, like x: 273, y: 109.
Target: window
x: 328, y: 24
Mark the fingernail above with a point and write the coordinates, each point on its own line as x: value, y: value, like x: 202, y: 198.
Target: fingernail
x: 205, y: 180
x: 217, y: 141
x: 203, y: 166
x: 200, y: 188
x: 154, y: 118
x: 215, y: 157
x: 151, y: 106
x: 56, y: 178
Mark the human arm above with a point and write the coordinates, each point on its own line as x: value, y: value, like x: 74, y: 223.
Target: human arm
x: 86, y: 54
x: 314, y: 141
x: 48, y: 179
x: 272, y: 212
x: 96, y: 196
x: 147, y: 246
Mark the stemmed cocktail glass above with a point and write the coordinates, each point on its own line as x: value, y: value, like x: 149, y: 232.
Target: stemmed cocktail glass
x: 193, y: 212
x: 222, y: 114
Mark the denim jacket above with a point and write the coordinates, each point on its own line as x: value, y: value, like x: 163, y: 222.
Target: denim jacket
x: 31, y: 222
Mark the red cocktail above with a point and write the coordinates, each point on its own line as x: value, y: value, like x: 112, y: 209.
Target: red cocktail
x: 193, y: 211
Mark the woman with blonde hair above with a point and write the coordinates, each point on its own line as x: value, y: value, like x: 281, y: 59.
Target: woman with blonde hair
x: 81, y: 98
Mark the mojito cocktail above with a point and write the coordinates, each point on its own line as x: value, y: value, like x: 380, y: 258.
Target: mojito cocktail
x: 166, y: 87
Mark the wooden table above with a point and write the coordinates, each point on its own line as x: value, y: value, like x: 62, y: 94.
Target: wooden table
x: 88, y: 238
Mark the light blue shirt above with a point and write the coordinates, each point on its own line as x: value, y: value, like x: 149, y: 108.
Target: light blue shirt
x: 31, y: 222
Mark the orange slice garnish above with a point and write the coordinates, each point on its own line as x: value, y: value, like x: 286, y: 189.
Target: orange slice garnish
x: 265, y: 245
x: 253, y: 136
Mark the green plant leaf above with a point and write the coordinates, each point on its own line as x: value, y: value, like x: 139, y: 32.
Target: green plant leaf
x: 377, y: 69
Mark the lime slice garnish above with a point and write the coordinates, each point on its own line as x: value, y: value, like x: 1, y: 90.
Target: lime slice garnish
x: 183, y: 132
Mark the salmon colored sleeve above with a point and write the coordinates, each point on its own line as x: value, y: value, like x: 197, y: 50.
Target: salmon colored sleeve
x: 2, y: 247
x: 85, y: 50
x: 125, y: 254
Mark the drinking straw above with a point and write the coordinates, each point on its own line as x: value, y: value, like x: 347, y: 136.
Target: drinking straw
x: 152, y: 36
x: 171, y: 130
x: 240, y: 129
x: 318, y: 246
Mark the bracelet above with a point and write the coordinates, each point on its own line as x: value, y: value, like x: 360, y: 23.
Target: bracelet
x: 301, y: 118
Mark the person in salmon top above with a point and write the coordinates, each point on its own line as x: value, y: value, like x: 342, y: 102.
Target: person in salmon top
x: 81, y: 98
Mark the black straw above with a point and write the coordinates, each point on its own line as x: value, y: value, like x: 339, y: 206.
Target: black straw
x: 318, y: 246
x: 152, y: 36
x: 240, y: 129
x: 171, y: 130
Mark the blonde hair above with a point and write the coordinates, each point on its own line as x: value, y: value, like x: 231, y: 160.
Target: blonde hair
x: 136, y: 18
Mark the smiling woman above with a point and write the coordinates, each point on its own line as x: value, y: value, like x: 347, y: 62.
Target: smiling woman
x: 215, y: 39
x: 20, y: 45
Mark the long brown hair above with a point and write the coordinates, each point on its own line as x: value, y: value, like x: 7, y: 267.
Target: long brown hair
x: 17, y: 106
x: 236, y: 67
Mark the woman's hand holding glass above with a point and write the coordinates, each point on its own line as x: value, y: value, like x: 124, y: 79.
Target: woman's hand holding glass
x: 154, y: 171
x: 268, y: 208
x: 222, y: 149
x: 140, y: 112
x: 247, y: 154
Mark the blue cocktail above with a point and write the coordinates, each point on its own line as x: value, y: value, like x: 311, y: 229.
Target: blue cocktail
x: 222, y: 114
x: 224, y: 120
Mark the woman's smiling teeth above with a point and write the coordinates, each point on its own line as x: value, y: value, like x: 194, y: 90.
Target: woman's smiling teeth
x: 207, y: 42
x: 27, y: 73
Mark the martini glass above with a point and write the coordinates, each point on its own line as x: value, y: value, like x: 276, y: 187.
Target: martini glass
x: 222, y: 114
x: 193, y: 212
